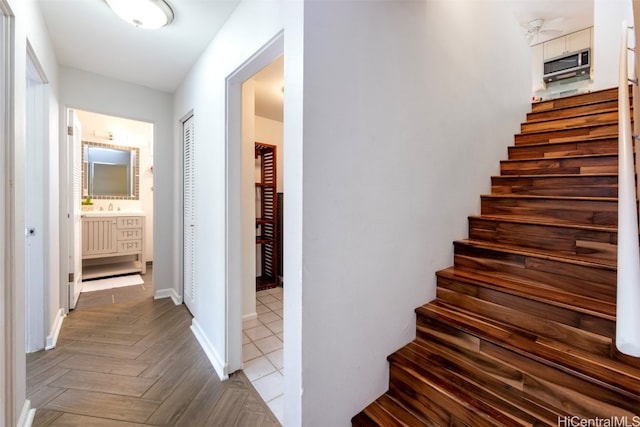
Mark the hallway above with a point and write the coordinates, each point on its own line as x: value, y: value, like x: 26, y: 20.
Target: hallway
x: 124, y: 359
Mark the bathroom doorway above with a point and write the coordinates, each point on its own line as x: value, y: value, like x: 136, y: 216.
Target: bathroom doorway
x: 113, y: 175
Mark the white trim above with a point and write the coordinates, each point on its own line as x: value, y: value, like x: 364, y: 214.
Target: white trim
x: 235, y: 249
x: 26, y: 415
x: 52, y: 338
x: 250, y: 316
x: 168, y: 293
x: 213, y: 356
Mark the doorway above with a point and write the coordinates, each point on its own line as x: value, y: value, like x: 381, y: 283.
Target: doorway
x: 111, y: 181
x: 263, y: 346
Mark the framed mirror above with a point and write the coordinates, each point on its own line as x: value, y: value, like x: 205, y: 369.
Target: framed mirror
x: 110, y: 171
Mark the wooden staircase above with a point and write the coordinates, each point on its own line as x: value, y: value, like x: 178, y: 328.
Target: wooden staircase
x: 522, y: 329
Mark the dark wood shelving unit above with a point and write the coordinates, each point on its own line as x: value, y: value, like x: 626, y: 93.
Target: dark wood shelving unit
x: 266, y: 212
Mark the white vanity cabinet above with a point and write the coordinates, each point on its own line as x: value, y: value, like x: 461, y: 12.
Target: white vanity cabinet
x: 112, y: 244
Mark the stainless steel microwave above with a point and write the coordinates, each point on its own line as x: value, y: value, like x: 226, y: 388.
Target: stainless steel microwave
x: 566, y: 66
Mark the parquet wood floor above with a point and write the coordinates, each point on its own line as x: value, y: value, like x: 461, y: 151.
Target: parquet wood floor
x: 125, y: 359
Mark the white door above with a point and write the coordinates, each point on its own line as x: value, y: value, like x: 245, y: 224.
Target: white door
x: 189, y: 215
x: 34, y: 211
x: 74, y: 138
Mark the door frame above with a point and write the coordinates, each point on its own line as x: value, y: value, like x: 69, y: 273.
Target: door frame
x: 37, y: 295
x: 239, y: 245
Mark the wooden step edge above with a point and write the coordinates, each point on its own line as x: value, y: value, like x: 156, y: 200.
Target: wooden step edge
x: 391, y: 413
x: 569, y: 128
x: 460, y: 363
x: 553, y: 158
x: 541, y: 254
x: 572, y: 116
x: 532, y: 220
x: 566, y: 140
x: 568, y: 359
x: 612, y: 92
x: 529, y: 289
x: 491, y: 407
x: 559, y: 198
x: 560, y: 175
x: 518, y: 370
x: 581, y: 138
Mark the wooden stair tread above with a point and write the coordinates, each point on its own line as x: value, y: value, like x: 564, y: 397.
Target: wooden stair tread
x: 612, y: 374
x: 534, y: 290
x: 539, y: 253
x: 387, y: 412
x: 555, y: 176
x: 532, y: 220
x: 550, y: 158
x: 580, y: 126
x: 481, y: 395
x: 572, y: 111
x: 567, y: 122
x: 537, y: 197
x: 461, y: 364
x: 578, y: 99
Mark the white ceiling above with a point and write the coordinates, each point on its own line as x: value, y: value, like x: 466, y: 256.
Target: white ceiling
x: 88, y: 36
x: 566, y: 16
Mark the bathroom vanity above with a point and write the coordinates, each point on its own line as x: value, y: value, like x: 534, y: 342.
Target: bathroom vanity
x: 112, y: 243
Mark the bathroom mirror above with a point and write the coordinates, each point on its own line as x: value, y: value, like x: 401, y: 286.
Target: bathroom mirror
x: 110, y: 171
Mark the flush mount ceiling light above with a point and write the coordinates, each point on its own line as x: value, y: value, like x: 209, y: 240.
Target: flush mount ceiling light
x: 149, y: 14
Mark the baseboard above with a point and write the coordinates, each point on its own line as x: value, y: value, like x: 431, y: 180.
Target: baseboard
x: 168, y: 293
x: 52, y: 339
x: 218, y: 364
x: 26, y: 415
x: 249, y: 316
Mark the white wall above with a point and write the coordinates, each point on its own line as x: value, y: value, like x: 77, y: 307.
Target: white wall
x: 404, y: 123
x: 126, y: 133
x: 99, y: 94
x: 28, y: 24
x: 203, y: 91
x: 607, y: 36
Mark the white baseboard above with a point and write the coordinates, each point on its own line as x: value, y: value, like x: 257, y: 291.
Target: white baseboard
x: 168, y: 293
x: 52, y: 339
x: 249, y: 316
x: 218, y: 364
x: 26, y: 415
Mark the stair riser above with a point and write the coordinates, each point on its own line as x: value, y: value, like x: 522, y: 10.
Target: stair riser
x: 547, y: 136
x: 578, y: 186
x: 595, y: 244
x: 572, y: 101
x: 573, y: 111
x: 569, y: 122
x: 570, y: 327
x: 570, y: 393
x: 578, y: 279
x: 584, y: 165
x: 586, y: 212
x: 578, y: 148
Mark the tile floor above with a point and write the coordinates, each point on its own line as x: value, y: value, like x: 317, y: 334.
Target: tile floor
x: 262, y: 350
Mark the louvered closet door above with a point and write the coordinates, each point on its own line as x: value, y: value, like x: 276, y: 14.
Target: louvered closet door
x: 189, y: 216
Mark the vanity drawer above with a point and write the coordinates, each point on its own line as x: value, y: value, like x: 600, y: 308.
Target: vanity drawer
x: 130, y: 234
x: 130, y: 222
x: 125, y: 246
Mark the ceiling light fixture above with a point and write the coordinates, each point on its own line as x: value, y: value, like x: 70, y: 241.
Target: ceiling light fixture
x: 149, y: 14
